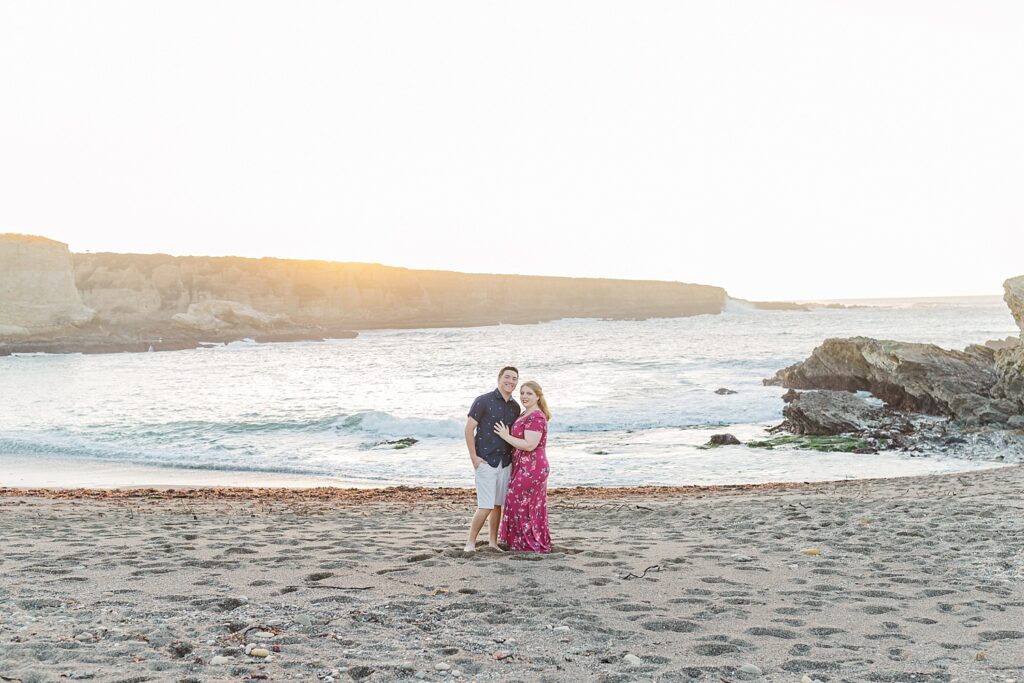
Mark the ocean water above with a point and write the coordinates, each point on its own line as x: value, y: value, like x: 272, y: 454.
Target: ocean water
x: 632, y: 400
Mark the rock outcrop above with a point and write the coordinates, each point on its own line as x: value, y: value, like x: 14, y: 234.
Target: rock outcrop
x: 827, y: 413
x: 978, y: 386
x: 1009, y: 358
x: 920, y: 378
x: 37, y: 288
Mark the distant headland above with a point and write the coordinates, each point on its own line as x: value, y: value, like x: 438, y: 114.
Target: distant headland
x: 52, y: 300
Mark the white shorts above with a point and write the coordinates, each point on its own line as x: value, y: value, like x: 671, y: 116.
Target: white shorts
x: 491, y: 485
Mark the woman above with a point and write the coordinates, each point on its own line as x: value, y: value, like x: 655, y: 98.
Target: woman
x: 524, y: 524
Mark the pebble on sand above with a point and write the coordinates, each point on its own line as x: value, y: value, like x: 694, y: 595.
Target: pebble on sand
x: 749, y: 671
x: 631, y: 659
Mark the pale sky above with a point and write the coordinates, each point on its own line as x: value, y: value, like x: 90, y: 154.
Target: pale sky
x: 782, y: 149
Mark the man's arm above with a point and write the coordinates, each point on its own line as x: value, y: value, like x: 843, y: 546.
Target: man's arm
x: 471, y: 426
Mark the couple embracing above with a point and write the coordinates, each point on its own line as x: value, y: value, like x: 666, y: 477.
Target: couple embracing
x: 507, y: 448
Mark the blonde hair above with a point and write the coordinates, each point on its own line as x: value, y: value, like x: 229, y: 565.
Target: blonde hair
x: 541, y: 402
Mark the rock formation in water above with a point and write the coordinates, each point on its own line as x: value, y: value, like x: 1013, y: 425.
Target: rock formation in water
x: 978, y: 386
x: 827, y: 413
x: 37, y: 289
x: 142, y: 301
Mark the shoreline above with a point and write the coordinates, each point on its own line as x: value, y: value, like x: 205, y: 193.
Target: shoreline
x: 432, y: 494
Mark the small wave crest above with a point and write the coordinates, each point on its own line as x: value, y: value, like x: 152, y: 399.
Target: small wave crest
x: 378, y: 423
x: 386, y: 424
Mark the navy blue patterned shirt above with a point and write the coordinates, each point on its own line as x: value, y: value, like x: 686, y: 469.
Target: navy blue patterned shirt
x: 488, y: 410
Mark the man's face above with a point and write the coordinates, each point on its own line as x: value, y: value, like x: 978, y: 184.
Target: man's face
x: 508, y: 381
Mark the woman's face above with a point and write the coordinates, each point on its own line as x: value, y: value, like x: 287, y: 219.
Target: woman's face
x: 527, y: 397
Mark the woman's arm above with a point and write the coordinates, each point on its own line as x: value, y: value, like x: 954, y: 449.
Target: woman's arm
x: 526, y: 444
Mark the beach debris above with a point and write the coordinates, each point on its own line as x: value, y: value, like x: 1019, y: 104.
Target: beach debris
x: 560, y: 628
x: 811, y: 551
x: 631, y: 575
x: 502, y: 655
x: 219, y: 660
x: 260, y: 635
x: 724, y: 392
x: 630, y: 659
x: 326, y: 585
x: 723, y: 440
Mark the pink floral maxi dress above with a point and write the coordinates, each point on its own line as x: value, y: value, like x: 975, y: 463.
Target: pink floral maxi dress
x: 524, y: 522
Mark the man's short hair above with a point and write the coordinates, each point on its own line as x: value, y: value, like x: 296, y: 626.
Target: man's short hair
x: 508, y: 367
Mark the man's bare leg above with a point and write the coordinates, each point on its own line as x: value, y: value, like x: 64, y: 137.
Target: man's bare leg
x: 479, y: 517
x: 492, y: 528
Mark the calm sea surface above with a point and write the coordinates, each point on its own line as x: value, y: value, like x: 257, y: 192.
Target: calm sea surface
x: 632, y: 401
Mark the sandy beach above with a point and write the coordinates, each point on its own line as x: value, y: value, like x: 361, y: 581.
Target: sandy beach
x: 918, y: 579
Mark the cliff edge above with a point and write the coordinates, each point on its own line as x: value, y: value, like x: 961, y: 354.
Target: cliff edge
x: 38, y: 295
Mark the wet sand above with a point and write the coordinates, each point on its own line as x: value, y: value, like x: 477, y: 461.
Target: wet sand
x: 917, y: 579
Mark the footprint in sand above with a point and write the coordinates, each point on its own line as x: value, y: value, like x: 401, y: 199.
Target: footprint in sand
x: 673, y: 625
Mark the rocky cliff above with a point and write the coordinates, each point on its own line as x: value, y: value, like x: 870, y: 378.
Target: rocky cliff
x: 37, y: 288
x: 138, y: 289
x: 155, y: 300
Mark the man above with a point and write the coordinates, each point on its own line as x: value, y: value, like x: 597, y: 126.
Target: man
x: 490, y: 455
